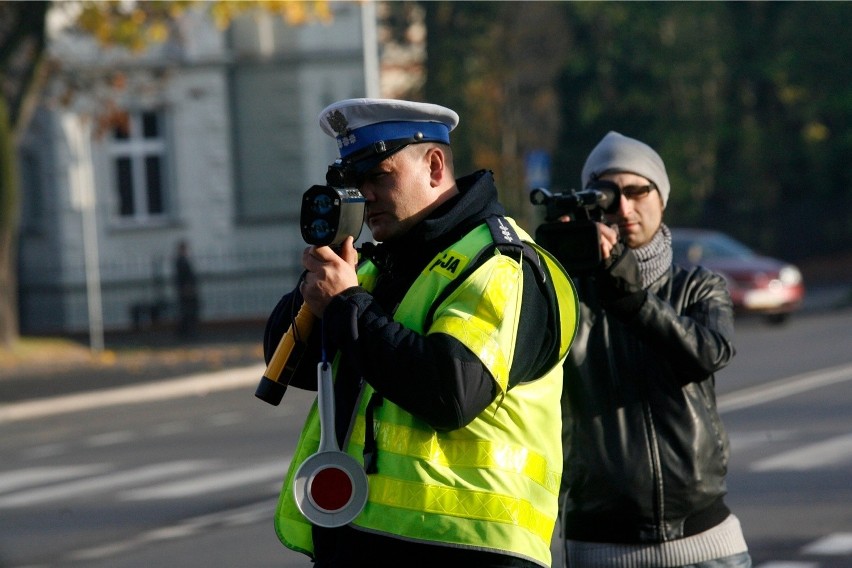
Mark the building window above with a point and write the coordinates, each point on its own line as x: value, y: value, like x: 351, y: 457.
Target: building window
x: 138, y: 151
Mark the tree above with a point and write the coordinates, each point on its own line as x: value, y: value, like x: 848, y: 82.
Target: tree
x: 747, y: 102
x: 22, y: 41
x: 496, y: 63
x: 24, y: 71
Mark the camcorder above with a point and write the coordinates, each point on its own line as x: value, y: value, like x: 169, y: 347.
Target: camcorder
x: 329, y: 214
x: 575, y: 242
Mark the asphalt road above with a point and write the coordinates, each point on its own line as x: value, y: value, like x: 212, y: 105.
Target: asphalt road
x: 182, y: 467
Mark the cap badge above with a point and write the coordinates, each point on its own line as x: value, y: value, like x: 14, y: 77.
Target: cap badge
x: 338, y: 122
x: 340, y: 125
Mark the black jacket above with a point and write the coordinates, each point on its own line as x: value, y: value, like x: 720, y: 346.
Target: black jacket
x: 645, y: 451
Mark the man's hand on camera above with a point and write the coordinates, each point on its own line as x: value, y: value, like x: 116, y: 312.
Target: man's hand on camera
x: 328, y: 273
x: 608, y: 235
x: 619, y: 283
x: 608, y: 239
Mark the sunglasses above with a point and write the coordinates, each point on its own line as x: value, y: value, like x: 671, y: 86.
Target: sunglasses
x: 632, y: 192
x: 636, y: 192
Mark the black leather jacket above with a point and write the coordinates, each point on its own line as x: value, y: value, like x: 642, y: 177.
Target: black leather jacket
x: 645, y: 451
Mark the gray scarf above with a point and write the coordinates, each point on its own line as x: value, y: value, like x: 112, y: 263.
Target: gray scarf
x: 655, y: 257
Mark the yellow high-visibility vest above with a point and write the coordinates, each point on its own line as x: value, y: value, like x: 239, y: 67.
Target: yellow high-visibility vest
x: 492, y: 485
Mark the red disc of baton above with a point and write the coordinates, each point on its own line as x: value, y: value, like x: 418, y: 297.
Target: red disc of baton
x: 330, y: 489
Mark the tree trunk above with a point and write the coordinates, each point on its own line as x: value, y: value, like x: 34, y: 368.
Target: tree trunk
x: 8, y: 230
x: 21, y: 47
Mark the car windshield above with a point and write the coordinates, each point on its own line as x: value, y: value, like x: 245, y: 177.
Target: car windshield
x: 695, y: 249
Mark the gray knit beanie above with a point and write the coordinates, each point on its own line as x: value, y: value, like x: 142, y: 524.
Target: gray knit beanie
x: 619, y: 153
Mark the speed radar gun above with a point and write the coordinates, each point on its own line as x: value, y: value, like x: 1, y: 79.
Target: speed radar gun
x: 570, y: 231
x: 329, y: 214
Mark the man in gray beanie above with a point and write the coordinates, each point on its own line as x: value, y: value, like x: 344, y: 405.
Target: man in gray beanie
x: 644, y: 448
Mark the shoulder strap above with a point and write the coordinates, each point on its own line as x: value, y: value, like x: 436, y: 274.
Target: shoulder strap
x: 508, y: 242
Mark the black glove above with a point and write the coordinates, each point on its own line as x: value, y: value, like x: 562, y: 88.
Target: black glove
x: 619, y: 284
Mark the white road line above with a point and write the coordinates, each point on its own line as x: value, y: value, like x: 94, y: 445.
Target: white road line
x: 742, y: 441
x: 98, y: 484
x: 221, y: 481
x: 44, y: 451
x: 111, y: 438
x: 243, y: 515
x: 193, y: 385
x: 782, y: 388
x: 787, y: 564
x: 12, y: 480
x: 837, y: 544
x: 226, y: 419
x: 171, y: 428
x: 827, y: 453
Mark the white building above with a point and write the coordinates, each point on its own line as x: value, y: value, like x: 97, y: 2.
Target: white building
x: 211, y: 139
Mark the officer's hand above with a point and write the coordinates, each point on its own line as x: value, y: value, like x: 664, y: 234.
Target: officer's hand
x: 328, y: 273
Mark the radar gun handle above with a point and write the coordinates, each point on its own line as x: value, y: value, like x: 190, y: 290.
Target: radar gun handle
x: 283, y: 363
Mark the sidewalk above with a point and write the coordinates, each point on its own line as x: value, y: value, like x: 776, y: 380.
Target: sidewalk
x: 51, y: 367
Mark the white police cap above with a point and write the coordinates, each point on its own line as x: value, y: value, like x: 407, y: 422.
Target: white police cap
x: 370, y: 127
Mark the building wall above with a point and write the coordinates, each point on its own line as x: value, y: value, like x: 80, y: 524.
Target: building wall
x: 240, y: 117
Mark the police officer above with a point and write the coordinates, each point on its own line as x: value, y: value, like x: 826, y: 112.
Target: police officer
x: 447, y: 339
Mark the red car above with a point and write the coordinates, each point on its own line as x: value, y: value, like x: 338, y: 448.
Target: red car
x: 758, y: 284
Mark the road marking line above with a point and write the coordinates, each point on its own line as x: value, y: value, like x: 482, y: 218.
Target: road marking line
x: 199, y: 384
x: 226, y: 419
x: 782, y: 388
x: 12, y: 480
x: 242, y: 515
x: 822, y: 454
x: 837, y: 544
x: 211, y: 483
x: 110, y: 438
x: 742, y: 441
x: 787, y: 564
x: 171, y: 428
x: 44, y: 451
x: 101, y: 483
